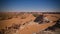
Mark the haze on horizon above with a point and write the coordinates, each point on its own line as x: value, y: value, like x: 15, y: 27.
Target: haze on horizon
x: 29, y: 5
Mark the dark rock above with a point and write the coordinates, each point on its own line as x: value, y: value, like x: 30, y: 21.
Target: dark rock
x: 54, y: 27
x: 39, y: 19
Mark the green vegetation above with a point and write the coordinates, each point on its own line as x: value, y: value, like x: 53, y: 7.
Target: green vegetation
x: 35, y: 15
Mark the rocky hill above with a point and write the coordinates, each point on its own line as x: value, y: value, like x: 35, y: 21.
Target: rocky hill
x: 23, y: 22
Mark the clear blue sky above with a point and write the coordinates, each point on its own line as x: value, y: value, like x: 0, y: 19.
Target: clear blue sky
x: 29, y: 5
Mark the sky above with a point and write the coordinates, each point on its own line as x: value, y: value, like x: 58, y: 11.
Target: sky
x: 29, y: 5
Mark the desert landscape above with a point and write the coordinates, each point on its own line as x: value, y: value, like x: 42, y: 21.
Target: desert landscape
x: 29, y: 23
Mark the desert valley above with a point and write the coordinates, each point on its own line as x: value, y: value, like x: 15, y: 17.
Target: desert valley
x: 29, y: 23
